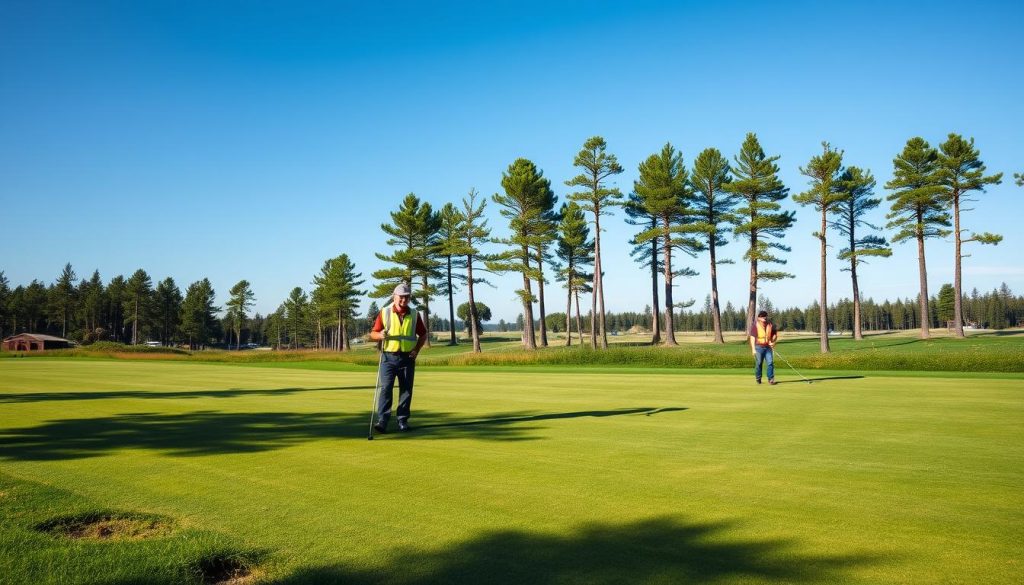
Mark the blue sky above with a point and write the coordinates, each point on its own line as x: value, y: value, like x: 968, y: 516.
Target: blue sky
x: 254, y: 140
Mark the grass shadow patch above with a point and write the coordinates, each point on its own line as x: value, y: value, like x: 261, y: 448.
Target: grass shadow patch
x: 654, y: 550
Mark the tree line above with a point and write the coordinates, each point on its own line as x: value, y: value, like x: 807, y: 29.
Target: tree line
x: 681, y: 212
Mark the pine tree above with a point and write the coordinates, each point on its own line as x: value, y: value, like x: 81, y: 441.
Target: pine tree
x: 338, y: 295
x: 64, y: 298
x: 522, y: 204
x: 198, y: 313
x: 413, y: 232
x: 296, y: 307
x: 167, y: 302
x: 962, y: 173
x: 917, y: 209
x: 757, y: 185
x: 858, y: 186
x: 713, y: 208
x: 664, y: 192
x: 139, y: 291
x: 241, y: 299
x: 546, y: 235
x: 598, y: 199
x: 117, y: 291
x: 91, y: 293
x: 472, y: 232
x: 824, y: 172
x: 576, y: 251
x: 450, y: 249
x: 646, y: 254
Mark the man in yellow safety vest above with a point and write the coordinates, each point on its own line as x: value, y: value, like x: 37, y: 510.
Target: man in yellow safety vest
x: 763, y: 336
x: 402, y: 333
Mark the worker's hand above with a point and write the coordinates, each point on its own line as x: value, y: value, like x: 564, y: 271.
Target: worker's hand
x: 413, y: 354
x: 753, y: 352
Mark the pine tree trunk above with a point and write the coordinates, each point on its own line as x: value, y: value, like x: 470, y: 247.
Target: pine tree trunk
x: 922, y: 301
x: 568, y: 304
x: 958, y: 322
x: 540, y: 294
x: 857, y: 333
x: 655, y: 312
x: 752, y: 297
x: 472, y: 306
x: 823, y: 310
x: 340, y: 341
x: 529, y: 339
x: 426, y: 309
x: 716, y: 313
x: 451, y: 305
x: 670, y: 334
x: 579, y: 319
x: 599, y: 277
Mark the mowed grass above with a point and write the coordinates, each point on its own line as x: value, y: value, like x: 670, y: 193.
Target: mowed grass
x: 531, y: 475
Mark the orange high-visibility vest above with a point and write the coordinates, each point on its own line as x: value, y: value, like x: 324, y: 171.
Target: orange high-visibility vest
x: 764, y: 333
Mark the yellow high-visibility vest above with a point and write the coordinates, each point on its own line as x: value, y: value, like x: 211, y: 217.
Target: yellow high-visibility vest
x: 401, y: 332
x: 764, y: 333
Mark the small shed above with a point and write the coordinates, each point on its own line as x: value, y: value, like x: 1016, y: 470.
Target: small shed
x: 34, y: 342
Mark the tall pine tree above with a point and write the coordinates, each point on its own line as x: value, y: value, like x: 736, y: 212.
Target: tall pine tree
x: 595, y: 197
x: 576, y: 250
x: 713, y: 208
x: 761, y: 222
x: 858, y: 185
x: 917, y: 211
x: 825, y: 196
x: 664, y: 192
x: 522, y: 205
x: 961, y: 174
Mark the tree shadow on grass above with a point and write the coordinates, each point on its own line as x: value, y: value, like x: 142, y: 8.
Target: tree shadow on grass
x: 659, y: 550
x: 209, y: 432
x: 162, y: 395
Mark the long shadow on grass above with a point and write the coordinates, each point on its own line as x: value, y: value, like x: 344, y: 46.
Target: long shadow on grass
x: 659, y: 550
x: 161, y: 395
x: 429, y: 428
x: 802, y: 381
x: 215, y: 432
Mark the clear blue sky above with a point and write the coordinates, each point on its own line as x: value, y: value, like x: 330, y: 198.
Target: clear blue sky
x: 254, y: 140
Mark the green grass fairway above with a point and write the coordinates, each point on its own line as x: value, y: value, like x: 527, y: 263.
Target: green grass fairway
x: 513, y: 476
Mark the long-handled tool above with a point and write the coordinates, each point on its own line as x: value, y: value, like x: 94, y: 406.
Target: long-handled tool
x: 776, y: 352
x: 376, y: 390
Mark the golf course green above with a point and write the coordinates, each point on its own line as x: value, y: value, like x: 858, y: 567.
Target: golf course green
x: 512, y: 475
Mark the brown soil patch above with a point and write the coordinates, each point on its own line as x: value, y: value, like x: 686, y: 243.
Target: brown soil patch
x: 226, y: 570
x: 108, y: 526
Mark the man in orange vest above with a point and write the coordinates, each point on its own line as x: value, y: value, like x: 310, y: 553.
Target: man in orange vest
x: 402, y: 333
x: 763, y: 336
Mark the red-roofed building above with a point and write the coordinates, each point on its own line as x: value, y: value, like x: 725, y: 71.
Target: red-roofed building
x: 34, y: 342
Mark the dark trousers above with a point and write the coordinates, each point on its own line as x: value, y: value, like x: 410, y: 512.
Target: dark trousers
x: 395, y: 365
x: 763, y: 353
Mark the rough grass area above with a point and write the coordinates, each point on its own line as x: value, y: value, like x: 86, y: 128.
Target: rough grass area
x: 511, y: 476
x: 981, y: 352
x: 50, y: 535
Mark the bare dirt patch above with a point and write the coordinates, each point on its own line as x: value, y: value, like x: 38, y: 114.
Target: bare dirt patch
x: 226, y: 570
x: 108, y: 526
